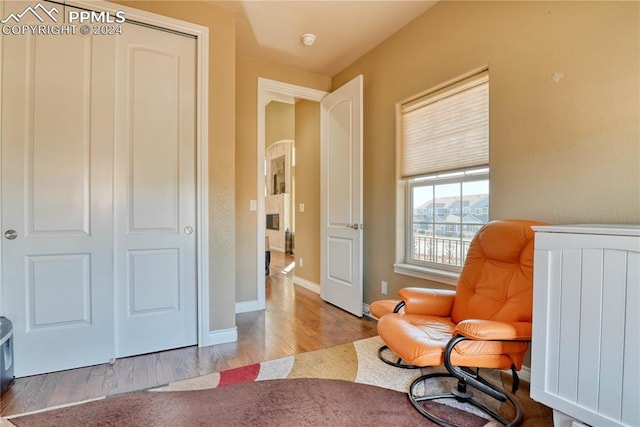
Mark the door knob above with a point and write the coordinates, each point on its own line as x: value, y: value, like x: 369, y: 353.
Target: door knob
x: 188, y: 230
x: 355, y: 225
x: 11, y: 234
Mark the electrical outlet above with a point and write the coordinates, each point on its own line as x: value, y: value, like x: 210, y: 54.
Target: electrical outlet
x: 301, y: 262
x: 301, y: 207
x: 383, y: 288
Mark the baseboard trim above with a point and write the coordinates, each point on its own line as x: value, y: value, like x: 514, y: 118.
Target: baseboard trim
x: 366, y: 311
x: 247, y: 306
x: 524, y: 374
x: 307, y: 284
x: 221, y: 336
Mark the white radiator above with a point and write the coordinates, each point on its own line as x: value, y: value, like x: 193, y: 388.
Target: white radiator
x: 586, y: 323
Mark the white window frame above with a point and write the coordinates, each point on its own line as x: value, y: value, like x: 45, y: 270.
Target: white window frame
x: 459, y: 177
x: 424, y: 270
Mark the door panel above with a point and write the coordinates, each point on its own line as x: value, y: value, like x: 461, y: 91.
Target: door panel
x: 154, y: 279
x: 339, y: 159
x: 49, y: 277
x: 57, y: 138
x: 58, y: 143
x: 341, y: 194
x: 154, y: 140
x: 339, y: 264
x: 155, y: 191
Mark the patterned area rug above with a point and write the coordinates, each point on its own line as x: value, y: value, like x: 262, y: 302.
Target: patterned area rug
x: 357, y: 362
x: 353, y: 363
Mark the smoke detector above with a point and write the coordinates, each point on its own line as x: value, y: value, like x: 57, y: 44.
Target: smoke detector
x: 308, y: 39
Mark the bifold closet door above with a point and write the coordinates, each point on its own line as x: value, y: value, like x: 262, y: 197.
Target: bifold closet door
x: 98, y: 194
x: 57, y: 144
x: 155, y: 238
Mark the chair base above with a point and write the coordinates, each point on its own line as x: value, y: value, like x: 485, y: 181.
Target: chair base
x: 461, y: 394
x: 399, y: 363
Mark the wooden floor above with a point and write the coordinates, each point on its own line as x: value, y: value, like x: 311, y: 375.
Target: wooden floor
x: 296, y: 320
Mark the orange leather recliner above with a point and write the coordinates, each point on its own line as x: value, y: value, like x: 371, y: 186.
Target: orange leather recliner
x: 484, y: 323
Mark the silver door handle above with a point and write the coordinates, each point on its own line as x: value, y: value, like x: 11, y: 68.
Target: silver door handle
x: 10, y: 234
x: 355, y: 226
x: 188, y: 230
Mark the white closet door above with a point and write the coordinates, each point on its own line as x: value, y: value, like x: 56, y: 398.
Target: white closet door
x: 155, y: 240
x: 98, y: 189
x: 56, y: 138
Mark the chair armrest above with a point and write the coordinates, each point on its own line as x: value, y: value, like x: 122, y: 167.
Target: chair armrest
x: 493, y: 330
x: 434, y: 302
x: 385, y: 306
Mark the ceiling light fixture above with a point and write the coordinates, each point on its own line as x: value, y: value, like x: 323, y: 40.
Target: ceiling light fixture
x: 308, y: 39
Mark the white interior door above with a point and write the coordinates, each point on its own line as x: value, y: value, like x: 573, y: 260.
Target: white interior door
x: 341, y: 197
x: 155, y: 211
x: 56, y: 139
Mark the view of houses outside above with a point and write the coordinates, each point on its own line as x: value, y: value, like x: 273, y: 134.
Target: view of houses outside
x: 444, y: 224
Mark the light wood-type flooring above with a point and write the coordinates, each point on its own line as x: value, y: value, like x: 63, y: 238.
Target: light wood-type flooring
x: 296, y: 320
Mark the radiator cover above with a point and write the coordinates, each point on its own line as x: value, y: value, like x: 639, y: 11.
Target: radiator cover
x: 6, y: 354
x: 586, y: 342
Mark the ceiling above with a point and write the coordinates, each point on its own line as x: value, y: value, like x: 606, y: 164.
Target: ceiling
x: 345, y: 30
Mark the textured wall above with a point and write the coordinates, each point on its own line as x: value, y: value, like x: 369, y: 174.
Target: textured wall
x: 308, y: 190
x: 279, y: 122
x: 564, y: 111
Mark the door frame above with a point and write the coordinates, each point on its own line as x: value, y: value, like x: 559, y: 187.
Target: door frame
x: 201, y: 35
x: 270, y: 90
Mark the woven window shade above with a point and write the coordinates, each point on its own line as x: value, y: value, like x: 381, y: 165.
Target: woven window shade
x: 447, y: 130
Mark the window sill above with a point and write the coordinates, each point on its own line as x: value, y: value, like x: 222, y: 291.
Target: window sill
x: 440, y: 276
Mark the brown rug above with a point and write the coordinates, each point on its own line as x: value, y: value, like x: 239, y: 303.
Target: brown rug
x: 281, y: 402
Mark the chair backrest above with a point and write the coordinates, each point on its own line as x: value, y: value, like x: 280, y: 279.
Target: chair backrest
x: 496, y: 282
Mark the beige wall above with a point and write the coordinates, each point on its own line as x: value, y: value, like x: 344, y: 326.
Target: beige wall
x: 563, y: 152
x: 308, y: 190
x: 280, y: 125
x: 248, y: 71
x: 279, y: 122
x: 221, y: 24
x: 301, y: 122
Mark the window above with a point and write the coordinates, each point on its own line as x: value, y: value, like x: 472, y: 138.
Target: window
x: 440, y: 236
x: 444, y: 137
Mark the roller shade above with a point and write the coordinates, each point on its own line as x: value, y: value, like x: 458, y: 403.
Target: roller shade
x: 446, y: 130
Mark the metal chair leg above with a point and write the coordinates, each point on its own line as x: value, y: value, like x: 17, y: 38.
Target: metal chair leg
x: 399, y: 363
x: 466, y: 377
x: 463, y: 395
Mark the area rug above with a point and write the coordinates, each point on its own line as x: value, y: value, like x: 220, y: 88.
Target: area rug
x: 342, y: 385
x: 356, y: 361
x: 297, y: 402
